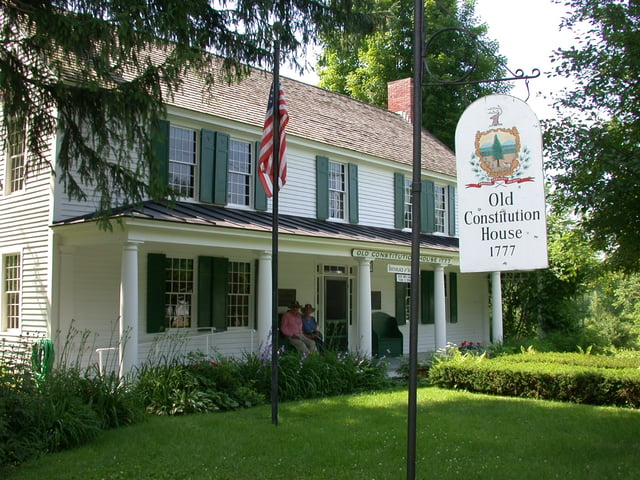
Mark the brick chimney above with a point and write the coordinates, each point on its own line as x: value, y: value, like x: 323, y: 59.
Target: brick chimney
x: 400, y: 98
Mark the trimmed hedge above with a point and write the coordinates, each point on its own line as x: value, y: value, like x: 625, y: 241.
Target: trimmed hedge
x: 542, y: 376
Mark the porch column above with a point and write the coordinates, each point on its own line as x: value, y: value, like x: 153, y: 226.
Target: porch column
x: 264, y: 313
x: 496, y: 302
x: 65, y: 293
x: 364, y: 305
x: 128, y: 348
x: 440, y: 309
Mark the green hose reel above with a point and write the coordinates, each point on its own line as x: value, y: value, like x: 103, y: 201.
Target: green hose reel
x: 42, y: 356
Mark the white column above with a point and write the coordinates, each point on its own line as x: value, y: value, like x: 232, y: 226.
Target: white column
x: 265, y: 296
x: 128, y: 352
x: 440, y: 308
x: 364, y: 305
x: 65, y: 294
x: 496, y: 302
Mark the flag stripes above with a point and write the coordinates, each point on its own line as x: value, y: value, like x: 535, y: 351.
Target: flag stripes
x: 265, y: 162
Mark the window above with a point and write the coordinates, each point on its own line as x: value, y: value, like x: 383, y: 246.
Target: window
x: 11, y: 275
x: 240, y: 174
x: 239, y: 297
x: 408, y: 206
x: 182, y: 161
x: 15, y: 148
x: 337, y: 191
x: 441, y: 216
x: 179, y: 292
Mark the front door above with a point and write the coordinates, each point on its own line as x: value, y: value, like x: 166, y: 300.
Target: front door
x: 336, y: 307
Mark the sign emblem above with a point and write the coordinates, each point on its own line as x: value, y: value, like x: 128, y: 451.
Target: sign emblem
x: 499, y: 156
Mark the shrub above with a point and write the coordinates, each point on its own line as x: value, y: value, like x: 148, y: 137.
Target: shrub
x: 194, y: 385
x: 545, y: 377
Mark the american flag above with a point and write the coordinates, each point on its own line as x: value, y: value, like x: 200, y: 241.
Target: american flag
x: 265, y: 163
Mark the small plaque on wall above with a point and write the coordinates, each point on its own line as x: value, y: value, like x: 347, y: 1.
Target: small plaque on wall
x: 376, y: 300
x: 286, y: 296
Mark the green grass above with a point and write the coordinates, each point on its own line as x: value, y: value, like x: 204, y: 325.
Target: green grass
x: 459, y: 435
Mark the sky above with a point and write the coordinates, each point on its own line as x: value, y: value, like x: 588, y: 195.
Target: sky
x: 528, y: 33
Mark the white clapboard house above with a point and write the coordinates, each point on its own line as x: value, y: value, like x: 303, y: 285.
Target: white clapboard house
x: 201, y: 269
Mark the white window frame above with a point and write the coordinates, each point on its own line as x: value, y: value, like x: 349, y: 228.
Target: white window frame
x: 240, y: 295
x: 184, y: 160
x: 11, y: 319
x: 241, y: 178
x: 407, y: 216
x: 338, y: 194
x: 15, y: 155
x: 441, y: 202
x: 179, y: 293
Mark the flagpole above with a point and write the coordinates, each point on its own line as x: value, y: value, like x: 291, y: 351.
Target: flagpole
x: 274, y: 233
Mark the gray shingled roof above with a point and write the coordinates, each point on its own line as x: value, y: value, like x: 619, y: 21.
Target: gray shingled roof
x: 215, y: 216
x: 319, y: 115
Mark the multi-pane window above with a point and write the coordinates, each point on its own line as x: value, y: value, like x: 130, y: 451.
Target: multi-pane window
x: 239, y: 298
x: 440, y: 192
x: 239, y: 191
x: 337, y: 190
x: 182, y: 161
x: 11, y: 270
x: 15, y: 149
x: 179, y: 292
x: 408, y: 206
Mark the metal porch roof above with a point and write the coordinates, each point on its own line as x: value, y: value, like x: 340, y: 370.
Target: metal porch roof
x: 217, y: 216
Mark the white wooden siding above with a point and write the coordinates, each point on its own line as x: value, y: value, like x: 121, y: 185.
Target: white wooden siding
x: 24, y: 228
x: 376, y: 196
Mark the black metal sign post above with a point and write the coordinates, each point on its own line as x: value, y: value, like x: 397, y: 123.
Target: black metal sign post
x: 416, y: 186
x: 420, y: 50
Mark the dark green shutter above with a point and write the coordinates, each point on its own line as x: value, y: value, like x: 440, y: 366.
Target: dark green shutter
x: 354, y: 215
x: 453, y: 297
x: 427, y: 305
x: 156, y: 288
x: 256, y: 275
x: 204, y: 292
x: 401, y: 302
x: 322, y: 187
x: 398, y: 200
x: 259, y: 195
x: 220, y: 292
x: 428, y: 207
x: 212, y: 292
x: 207, y: 156
x: 159, y: 167
x: 221, y: 166
x: 451, y: 190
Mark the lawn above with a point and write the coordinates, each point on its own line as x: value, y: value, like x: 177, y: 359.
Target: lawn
x: 459, y: 435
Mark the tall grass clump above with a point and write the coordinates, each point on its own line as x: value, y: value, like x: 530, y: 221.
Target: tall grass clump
x: 47, y: 407
x: 317, y: 375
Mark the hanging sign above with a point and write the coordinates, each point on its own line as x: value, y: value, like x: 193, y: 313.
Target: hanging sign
x: 501, y: 210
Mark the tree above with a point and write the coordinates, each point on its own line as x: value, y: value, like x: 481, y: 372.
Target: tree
x: 614, y: 309
x: 547, y: 301
x: 99, y: 71
x: 363, y: 67
x: 594, y: 146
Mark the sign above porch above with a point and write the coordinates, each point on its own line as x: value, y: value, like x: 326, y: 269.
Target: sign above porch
x: 378, y: 254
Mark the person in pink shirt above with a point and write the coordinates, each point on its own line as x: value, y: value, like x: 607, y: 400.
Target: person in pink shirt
x: 291, y: 327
